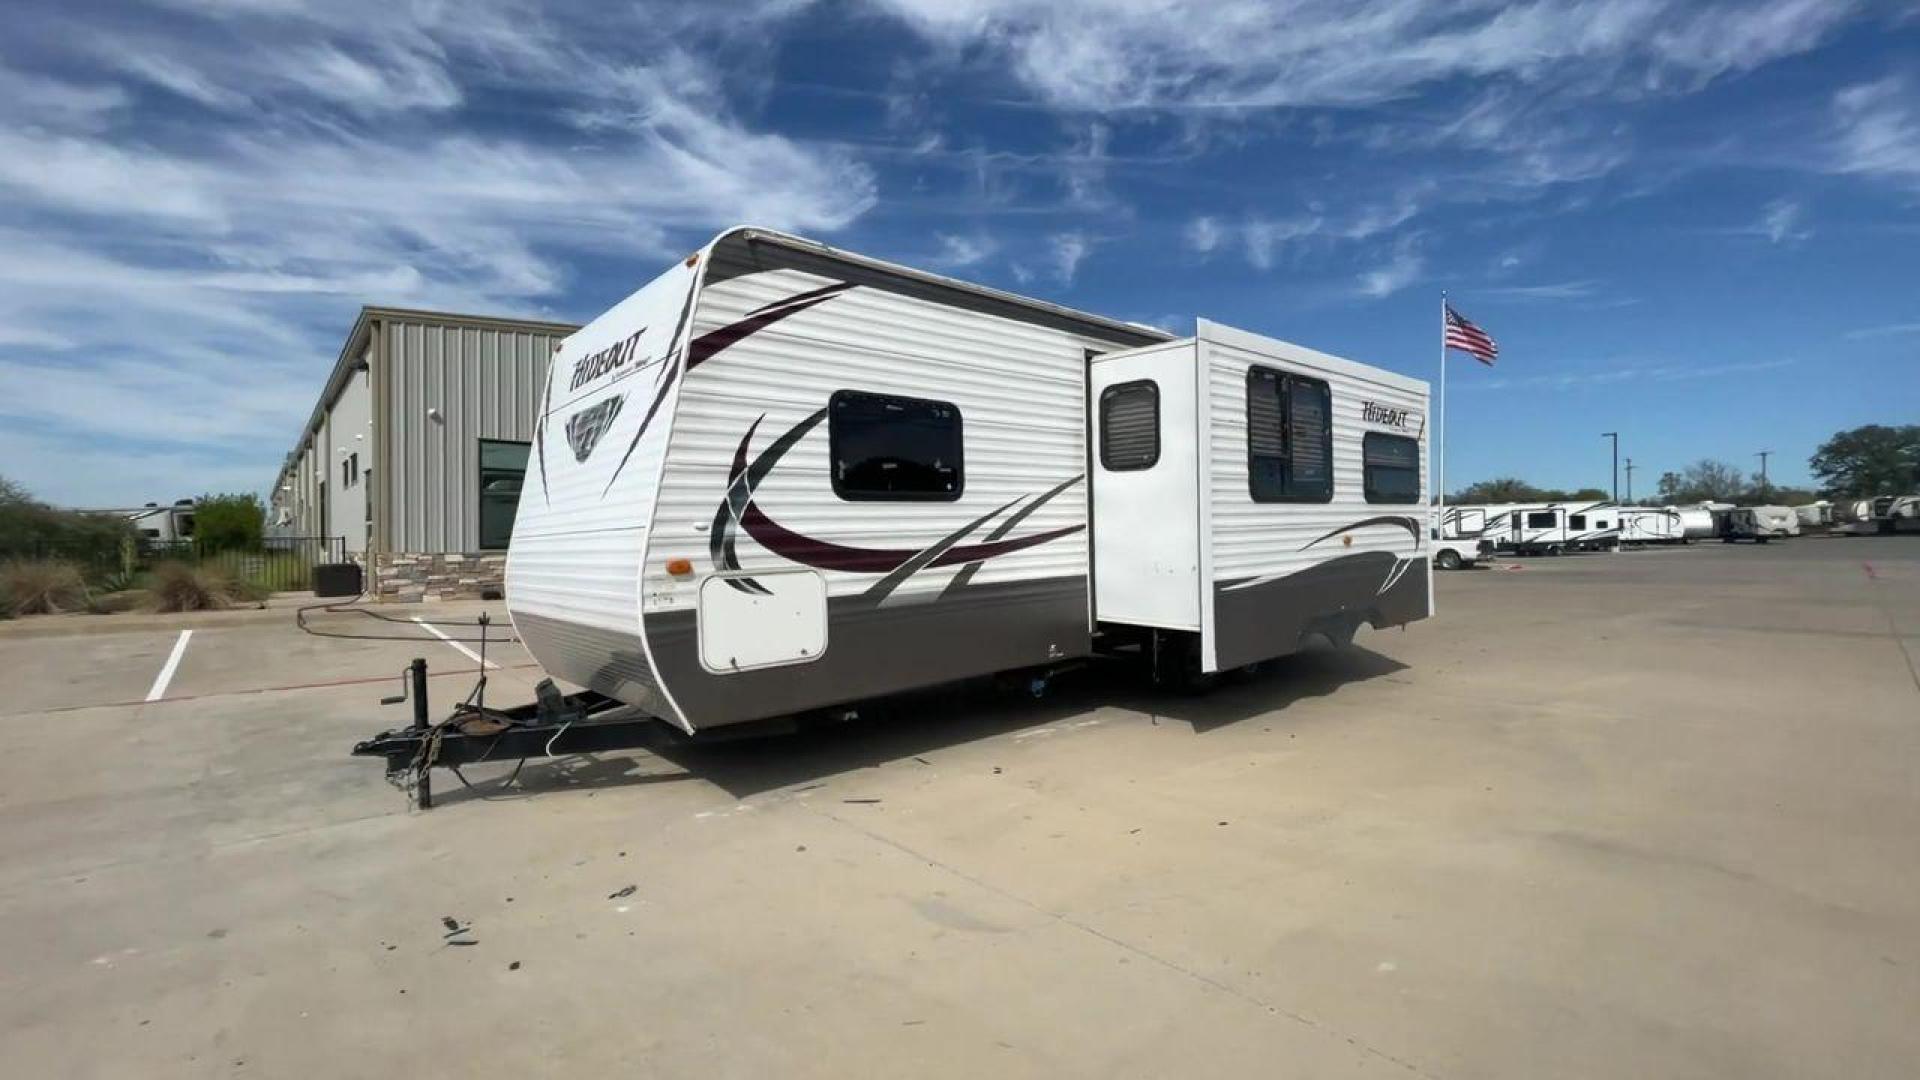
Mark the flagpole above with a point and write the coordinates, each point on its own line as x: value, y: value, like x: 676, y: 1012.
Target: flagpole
x: 1442, y: 493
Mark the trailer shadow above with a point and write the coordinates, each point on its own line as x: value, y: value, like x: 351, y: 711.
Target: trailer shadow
x: 918, y: 726
x: 1316, y: 671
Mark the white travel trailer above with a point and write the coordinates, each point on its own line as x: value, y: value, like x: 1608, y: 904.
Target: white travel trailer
x: 1758, y: 523
x: 156, y: 524
x: 1651, y: 525
x: 1884, y: 514
x: 1697, y: 522
x: 1815, y: 515
x: 1547, y: 528
x: 782, y: 477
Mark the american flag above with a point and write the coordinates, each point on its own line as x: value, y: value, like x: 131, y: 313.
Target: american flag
x: 1469, y: 338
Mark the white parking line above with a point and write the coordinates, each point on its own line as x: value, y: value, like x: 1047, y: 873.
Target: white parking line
x: 161, y: 680
x: 469, y: 653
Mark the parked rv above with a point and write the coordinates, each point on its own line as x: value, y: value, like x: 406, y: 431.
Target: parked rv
x: 1815, y: 515
x: 1697, y: 523
x: 1651, y: 525
x: 782, y: 478
x: 1884, y: 514
x: 1538, y: 528
x: 1758, y: 523
x: 156, y: 524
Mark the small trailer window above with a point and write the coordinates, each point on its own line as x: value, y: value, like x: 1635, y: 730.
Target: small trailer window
x: 1130, y: 426
x: 894, y: 448
x: 1577, y: 521
x: 1392, y: 468
x: 503, y: 466
x: 1542, y: 519
x: 1289, y: 437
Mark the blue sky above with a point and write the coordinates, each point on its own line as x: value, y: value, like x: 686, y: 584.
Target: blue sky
x: 1697, y: 223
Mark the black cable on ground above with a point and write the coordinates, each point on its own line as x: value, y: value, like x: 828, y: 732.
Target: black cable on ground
x: 346, y: 607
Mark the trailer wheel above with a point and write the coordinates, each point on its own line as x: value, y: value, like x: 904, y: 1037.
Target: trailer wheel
x: 1555, y: 551
x: 1447, y: 559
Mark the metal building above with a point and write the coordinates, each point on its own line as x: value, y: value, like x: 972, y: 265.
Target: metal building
x: 417, y: 447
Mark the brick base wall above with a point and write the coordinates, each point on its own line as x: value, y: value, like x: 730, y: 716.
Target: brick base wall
x: 403, y: 578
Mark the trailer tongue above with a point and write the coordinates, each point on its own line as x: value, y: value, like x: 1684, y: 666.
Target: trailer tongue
x: 552, y: 725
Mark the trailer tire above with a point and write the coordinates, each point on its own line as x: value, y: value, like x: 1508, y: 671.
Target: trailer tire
x: 1447, y: 559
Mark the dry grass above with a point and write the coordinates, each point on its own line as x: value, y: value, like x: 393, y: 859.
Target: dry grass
x: 178, y: 586
x: 41, y: 587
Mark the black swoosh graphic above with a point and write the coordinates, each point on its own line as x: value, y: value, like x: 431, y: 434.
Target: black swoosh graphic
x: 881, y: 589
x: 1407, y: 523
x: 966, y: 573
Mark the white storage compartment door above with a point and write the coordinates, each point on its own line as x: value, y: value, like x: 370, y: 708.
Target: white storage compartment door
x: 765, y: 620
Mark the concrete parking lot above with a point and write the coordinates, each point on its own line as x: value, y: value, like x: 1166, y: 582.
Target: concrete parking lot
x: 1647, y: 814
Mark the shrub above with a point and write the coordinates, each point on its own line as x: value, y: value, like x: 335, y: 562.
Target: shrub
x: 30, y: 528
x: 228, y: 522
x: 178, y: 586
x: 41, y: 586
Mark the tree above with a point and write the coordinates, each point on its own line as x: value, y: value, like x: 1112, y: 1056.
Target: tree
x: 228, y: 522
x: 1589, y: 494
x: 1504, y: 489
x: 1779, y: 496
x: 1705, y: 480
x: 1868, y: 461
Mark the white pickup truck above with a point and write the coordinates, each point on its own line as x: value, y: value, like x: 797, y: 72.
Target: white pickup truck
x: 1458, y: 553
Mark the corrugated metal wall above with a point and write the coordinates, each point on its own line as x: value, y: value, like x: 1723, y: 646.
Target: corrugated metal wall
x: 485, y: 382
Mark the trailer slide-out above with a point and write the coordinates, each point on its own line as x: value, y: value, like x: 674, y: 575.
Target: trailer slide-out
x: 783, y: 478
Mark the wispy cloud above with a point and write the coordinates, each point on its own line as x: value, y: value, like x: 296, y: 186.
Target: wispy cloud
x: 191, y: 216
x: 1626, y: 372
x: 1556, y: 290
x: 1867, y: 333
x: 1402, y: 270
x: 958, y: 251
x: 1203, y: 234
x: 1878, y: 130
x: 1065, y: 253
x: 1779, y: 223
x: 1103, y: 55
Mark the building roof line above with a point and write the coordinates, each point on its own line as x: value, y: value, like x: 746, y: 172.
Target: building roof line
x: 356, y: 343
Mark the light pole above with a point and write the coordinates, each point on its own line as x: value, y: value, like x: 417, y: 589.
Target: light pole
x: 1630, y: 468
x: 1615, y: 436
x: 1762, y: 455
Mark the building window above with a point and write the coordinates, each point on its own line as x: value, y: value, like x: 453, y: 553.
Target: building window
x: 1542, y: 519
x: 1130, y: 426
x: 1391, y: 468
x: 1289, y: 437
x: 894, y: 448
x: 503, y: 465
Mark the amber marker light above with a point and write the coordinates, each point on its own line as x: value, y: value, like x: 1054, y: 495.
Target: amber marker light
x: 679, y: 567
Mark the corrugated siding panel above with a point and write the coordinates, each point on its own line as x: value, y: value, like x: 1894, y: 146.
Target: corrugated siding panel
x: 1263, y: 539
x: 482, y: 380
x: 1019, y: 388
